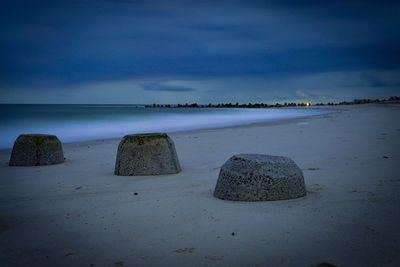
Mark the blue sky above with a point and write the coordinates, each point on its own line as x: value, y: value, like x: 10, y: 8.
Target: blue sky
x: 126, y: 51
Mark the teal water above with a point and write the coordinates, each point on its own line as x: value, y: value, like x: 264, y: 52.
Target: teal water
x: 90, y: 122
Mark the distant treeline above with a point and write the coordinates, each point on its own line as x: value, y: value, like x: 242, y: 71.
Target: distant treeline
x: 276, y: 105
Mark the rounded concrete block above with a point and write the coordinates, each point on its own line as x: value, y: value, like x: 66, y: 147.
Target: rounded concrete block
x: 256, y: 177
x: 36, y: 149
x: 146, y: 154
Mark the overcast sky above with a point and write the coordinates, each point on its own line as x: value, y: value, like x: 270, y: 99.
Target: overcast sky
x: 126, y: 51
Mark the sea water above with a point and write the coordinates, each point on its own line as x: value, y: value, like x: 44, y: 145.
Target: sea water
x: 73, y: 123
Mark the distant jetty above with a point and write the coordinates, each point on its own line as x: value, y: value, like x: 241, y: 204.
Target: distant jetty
x: 395, y: 99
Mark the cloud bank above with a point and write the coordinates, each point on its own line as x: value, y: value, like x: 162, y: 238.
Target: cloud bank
x: 62, y: 50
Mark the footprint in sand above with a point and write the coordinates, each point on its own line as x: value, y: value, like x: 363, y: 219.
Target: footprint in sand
x: 214, y: 257
x: 184, y: 250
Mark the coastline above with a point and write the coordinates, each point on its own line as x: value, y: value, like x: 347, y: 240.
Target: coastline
x: 79, y: 213
x: 105, y: 124
x: 251, y: 124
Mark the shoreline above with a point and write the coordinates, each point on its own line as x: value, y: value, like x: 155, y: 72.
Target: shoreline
x: 252, y: 124
x: 80, y: 214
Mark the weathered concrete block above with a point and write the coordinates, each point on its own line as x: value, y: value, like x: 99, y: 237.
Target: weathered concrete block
x: 146, y: 154
x: 36, y: 149
x: 256, y: 177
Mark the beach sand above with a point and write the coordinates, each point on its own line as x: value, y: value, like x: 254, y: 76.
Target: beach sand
x: 79, y: 214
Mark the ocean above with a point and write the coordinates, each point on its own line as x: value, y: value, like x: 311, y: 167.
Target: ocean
x: 73, y: 123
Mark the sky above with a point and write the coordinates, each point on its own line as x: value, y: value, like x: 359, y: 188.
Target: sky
x: 138, y: 52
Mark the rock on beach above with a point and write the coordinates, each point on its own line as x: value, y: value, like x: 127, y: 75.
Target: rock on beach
x: 146, y: 154
x: 257, y: 177
x: 36, y: 149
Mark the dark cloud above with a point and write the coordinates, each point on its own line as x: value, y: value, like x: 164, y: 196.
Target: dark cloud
x: 56, y: 44
x: 375, y: 81
x: 166, y: 88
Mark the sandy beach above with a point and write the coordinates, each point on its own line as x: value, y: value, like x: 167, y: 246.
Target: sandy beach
x: 80, y: 214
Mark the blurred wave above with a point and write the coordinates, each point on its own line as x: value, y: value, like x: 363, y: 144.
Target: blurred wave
x: 90, y: 122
